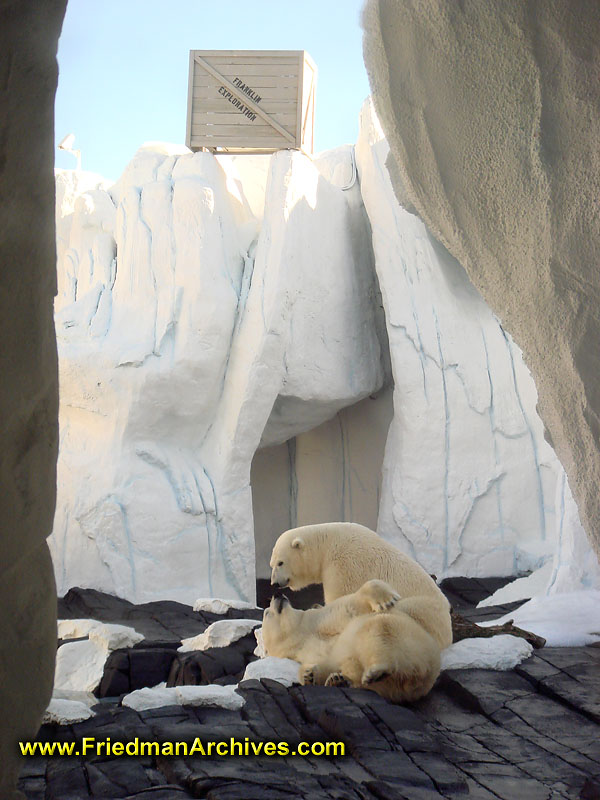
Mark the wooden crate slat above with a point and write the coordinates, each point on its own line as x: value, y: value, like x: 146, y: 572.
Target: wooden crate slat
x: 252, y: 61
x: 254, y: 82
x: 257, y: 70
x: 254, y: 53
x: 233, y: 117
x: 308, y: 103
x: 266, y: 139
x: 257, y: 84
x: 278, y: 93
x: 230, y: 130
x: 274, y: 143
x: 215, y: 105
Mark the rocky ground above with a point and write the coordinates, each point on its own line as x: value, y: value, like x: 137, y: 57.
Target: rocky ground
x: 532, y: 732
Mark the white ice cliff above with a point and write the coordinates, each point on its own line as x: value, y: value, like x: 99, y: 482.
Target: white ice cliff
x: 213, y: 310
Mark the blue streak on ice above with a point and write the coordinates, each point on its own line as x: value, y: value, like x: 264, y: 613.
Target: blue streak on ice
x: 220, y: 541
x: 126, y: 528
x: 446, y: 442
x: 420, y: 348
x: 293, y: 479
x: 540, y: 488
x: 492, y: 415
x: 558, y: 550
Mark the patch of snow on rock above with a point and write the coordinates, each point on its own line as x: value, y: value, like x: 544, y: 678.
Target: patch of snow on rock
x: 282, y: 670
x: 571, y: 619
x: 88, y: 699
x: 260, y: 645
x: 498, y: 652
x: 113, y: 637
x: 210, y: 695
x: 521, y: 588
x: 216, y: 605
x: 65, y: 712
x: 142, y: 699
x: 220, y: 634
x: 80, y: 665
x: 76, y: 628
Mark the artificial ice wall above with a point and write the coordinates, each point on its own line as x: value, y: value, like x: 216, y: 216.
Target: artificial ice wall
x: 492, y: 115
x: 251, y: 343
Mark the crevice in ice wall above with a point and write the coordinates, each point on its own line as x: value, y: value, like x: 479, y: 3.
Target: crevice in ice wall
x: 330, y: 473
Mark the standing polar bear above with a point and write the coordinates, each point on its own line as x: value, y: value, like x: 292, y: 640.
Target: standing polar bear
x: 361, y: 640
x: 343, y: 556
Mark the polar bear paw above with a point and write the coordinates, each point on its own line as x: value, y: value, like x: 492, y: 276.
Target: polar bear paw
x: 308, y: 676
x: 337, y: 679
x: 375, y: 673
x: 380, y: 595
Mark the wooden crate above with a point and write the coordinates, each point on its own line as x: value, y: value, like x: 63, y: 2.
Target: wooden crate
x: 249, y: 101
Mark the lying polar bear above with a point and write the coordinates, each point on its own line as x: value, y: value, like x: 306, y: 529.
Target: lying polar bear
x: 363, y: 639
x: 343, y: 555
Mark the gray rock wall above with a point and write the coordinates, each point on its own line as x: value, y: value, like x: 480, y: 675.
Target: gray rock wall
x: 492, y: 114
x: 29, y: 388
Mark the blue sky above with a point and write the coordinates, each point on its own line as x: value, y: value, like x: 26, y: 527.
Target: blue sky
x: 124, y: 67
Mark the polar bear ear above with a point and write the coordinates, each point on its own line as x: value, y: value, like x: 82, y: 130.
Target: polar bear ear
x: 298, y: 543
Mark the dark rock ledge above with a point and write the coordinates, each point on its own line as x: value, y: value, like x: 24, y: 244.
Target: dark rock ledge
x: 533, y: 732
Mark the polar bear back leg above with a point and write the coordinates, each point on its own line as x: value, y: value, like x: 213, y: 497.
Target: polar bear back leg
x: 397, y: 657
x: 431, y: 613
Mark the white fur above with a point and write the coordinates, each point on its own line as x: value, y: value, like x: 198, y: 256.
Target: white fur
x: 343, y: 556
x: 364, y: 638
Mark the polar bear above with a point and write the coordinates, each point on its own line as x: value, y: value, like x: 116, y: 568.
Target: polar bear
x: 343, y: 556
x: 361, y: 640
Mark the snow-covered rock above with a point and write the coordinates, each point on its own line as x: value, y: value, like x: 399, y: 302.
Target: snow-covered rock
x: 282, y: 670
x: 80, y: 665
x: 497, y: 652
x: 570, y: 619
x: 107, y: 634
x: 89, y: 699
x: 219, y: 634
x: 216, y: 605
x: 75, y: 628
x: 521, y: 588
x: 66, y: 712
x: 211, y: 695
x: 142, y: 699
x: 113, y: 637
x: 259, y: 650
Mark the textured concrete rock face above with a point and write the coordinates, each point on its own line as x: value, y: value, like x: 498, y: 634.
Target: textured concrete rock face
x: 491, y: 112
x: 28, y: 389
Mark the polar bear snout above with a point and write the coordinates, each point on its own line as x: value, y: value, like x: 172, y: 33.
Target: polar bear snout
x: 280, y: 602
x: 278, y: 577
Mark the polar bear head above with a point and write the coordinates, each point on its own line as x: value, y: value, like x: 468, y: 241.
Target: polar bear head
x: 291, y: 563
x: 280, y: 628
